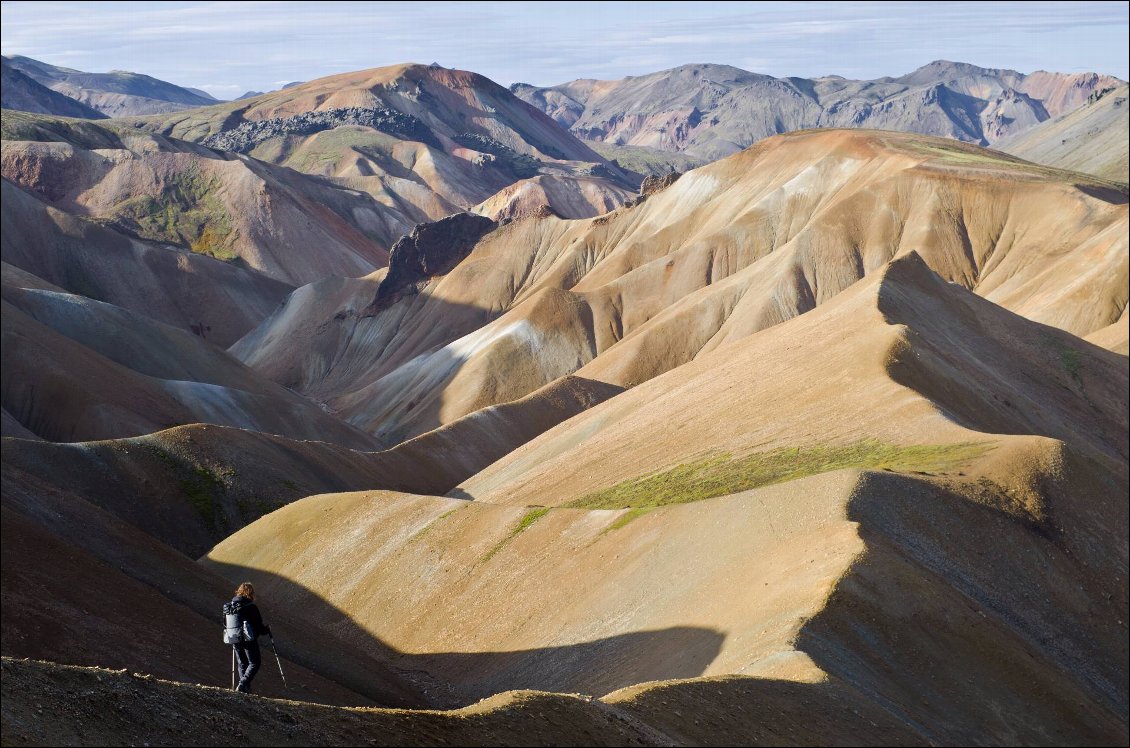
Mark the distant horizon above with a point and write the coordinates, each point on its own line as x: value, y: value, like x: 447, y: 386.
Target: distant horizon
x: 282, y: 85
x: 227, y: 49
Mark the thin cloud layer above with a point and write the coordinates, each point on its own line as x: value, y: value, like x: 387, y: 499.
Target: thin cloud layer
x: 238, y: 46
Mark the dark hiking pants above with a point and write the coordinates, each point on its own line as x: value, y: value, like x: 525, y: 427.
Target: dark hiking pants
x: 247, y: 657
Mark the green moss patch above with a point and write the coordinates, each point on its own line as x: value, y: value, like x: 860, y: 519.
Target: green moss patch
x: 428, y: 527
x: 1071, y: 359
x: 199, y: 484
x: 724, y: 474
x: 524, y: 524
x: 186, y: 212
x: 627, y: 517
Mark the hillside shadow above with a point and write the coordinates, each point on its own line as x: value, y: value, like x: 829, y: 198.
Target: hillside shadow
x: 1112, y: 195
x: 119, y: 708
x: 453, y: 679
x: 962, y: 619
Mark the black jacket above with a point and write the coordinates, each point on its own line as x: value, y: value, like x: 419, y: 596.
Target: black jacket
x: 249, y: 614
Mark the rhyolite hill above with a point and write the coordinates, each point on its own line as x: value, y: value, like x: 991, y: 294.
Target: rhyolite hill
x: 823, y: 442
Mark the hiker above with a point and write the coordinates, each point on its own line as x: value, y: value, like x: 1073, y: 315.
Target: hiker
x: 244, y: 635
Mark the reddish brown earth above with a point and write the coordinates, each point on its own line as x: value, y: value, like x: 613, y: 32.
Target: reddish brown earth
x: 825, y: 442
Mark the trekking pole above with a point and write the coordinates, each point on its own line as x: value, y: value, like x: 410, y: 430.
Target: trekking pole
x: 278, y: 660
x: 233, y: 668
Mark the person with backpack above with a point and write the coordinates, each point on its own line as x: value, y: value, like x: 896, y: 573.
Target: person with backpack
x: 243, y: 625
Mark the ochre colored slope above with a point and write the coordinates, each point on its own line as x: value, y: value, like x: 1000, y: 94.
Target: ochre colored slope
x: 726, y: 251
x: 867, y: 360
x: 559, y: 196
x: 1115, y: 337
x: 911, y: 575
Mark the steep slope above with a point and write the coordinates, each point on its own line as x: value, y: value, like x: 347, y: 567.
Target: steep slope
x: 1091, y: 139
x: 711, y: 111
x: 114, y: 94
x: 192, y: 486
x: 75, y: 384
x: 25, y: 94
x: 449, y: 103
x: 82, y: 587
x: 424, y: 140
x: 928, y: 345
x: 211, y: 298
x: 723, y: 252
x: 287, y: 226
x: 878, y: 527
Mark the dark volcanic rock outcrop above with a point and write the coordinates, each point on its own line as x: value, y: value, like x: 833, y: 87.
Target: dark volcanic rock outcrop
x: 431, y: 249
x: 250, y: 134
x: 519, y: 164
x: 652, y: 184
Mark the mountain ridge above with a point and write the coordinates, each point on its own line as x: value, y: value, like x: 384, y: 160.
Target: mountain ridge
x: 709, y: 111
x: 116, y: 93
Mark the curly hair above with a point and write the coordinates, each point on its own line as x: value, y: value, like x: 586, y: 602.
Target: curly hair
x: 245, y: 590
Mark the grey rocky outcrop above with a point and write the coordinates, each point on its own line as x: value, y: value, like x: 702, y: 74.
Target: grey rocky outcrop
x: 519, y: 164
x: 246, y: 136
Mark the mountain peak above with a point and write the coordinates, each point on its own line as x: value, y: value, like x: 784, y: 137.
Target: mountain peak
x: 940, y: 71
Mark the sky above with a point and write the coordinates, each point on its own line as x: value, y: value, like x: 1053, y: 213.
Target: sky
x: 233, y: 47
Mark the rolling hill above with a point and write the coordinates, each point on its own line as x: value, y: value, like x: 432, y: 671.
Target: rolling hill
x: 822, y: 442
x: 723, y: 252
x: 25, y: 94
x: 877, y: 527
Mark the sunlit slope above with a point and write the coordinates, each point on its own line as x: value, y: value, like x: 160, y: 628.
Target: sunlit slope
x: 904, y: 358
x: 1093, y: 138
x: 879, y: 525
x: 727, y: 250
x: 549, y: 195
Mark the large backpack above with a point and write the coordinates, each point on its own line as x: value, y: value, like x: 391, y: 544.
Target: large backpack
x: 236, y: 629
